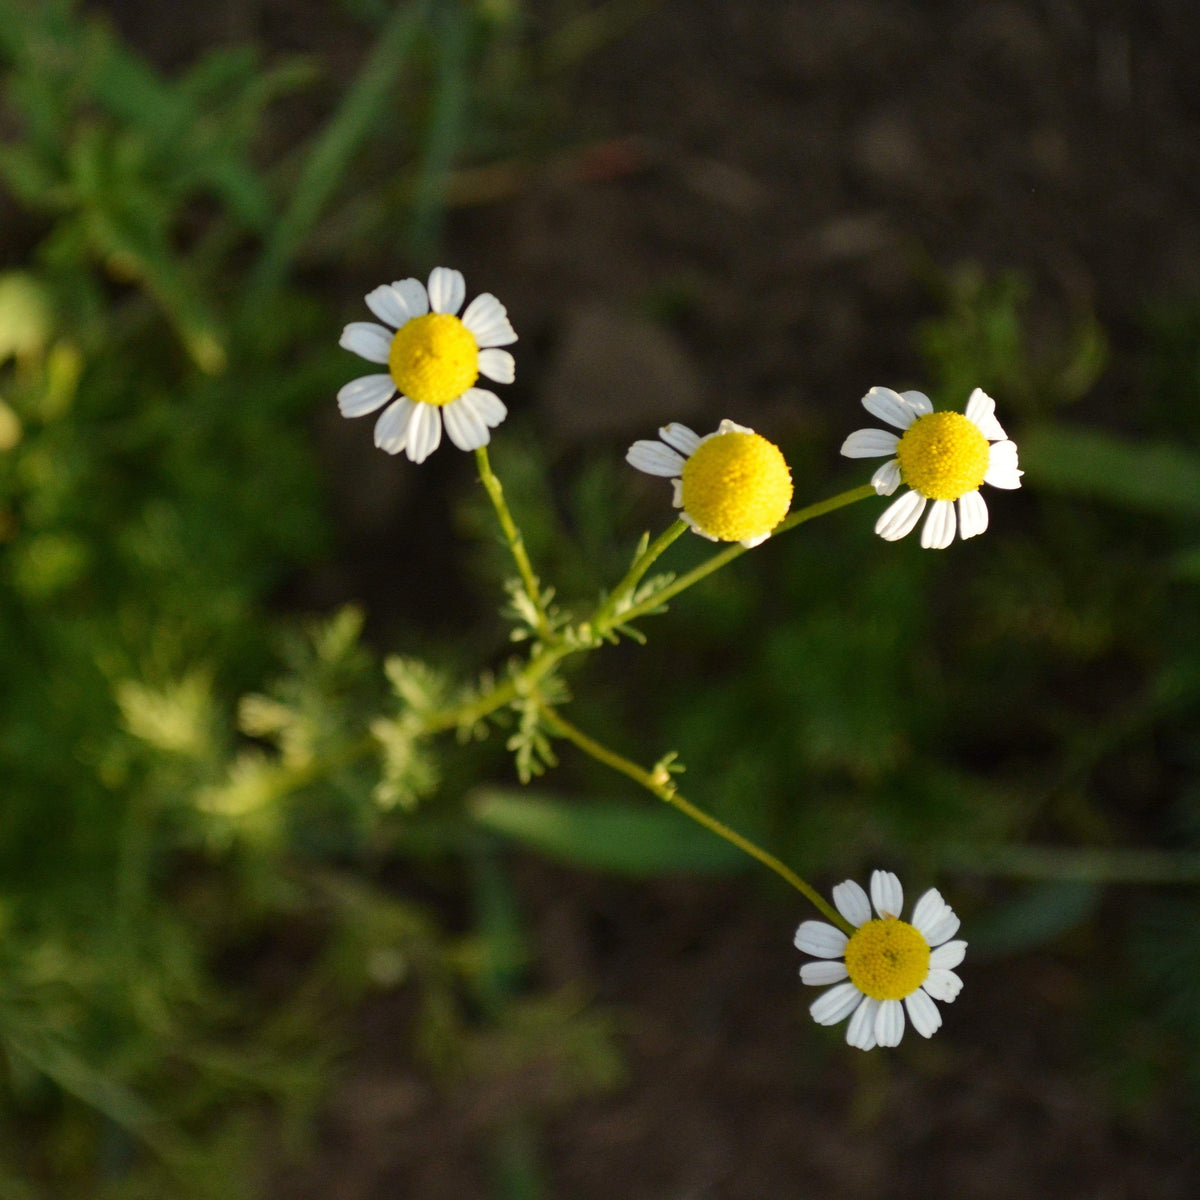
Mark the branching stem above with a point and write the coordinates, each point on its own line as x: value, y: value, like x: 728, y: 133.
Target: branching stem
x: 634, y: 576
x: 583, y: 636
x: 726, y: 556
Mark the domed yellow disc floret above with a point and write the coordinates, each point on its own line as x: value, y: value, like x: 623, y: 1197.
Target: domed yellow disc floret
x: 736, y: 486
x: 943, y: 456
x: 433, y: 359
x: 888, y: 959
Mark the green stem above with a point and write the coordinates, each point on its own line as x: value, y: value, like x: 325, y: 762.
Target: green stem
x: 641, y: 565
x: 660, y: 784
x: 465, y: 715
x: 730, y: 553
x: 562, y: 645
x: 516, y: 543
x: 556, y: 647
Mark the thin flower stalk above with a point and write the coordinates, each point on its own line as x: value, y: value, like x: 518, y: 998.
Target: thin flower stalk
x: 637, y: 572
x: 583, y: 635
x: 724, y: 557
x: 514, y: 538
x: 659, y: 783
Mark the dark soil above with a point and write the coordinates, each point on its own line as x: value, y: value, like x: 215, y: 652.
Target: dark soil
x: 791, y: 176
x: 732, y: 1093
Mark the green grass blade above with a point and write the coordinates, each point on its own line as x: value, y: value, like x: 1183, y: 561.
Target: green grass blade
x: 1160, y: 478
x: 445, y: 124
x: 329, y: 158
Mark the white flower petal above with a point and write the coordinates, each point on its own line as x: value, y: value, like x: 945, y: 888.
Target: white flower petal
x: 681, y: 438
x: 365, y: 395
x: 412, y: 292
x: 728, y: 426
x: 836, y: 1004
x: 367, y: 340
x: 889, y: 1023
x: 870, y: 443
x: 940, y: 526
x: 391, y: 430
x: 918, y: 402
x: 887, y: 478
x: 1009, y: 480
x: 417, y: 428
x: 860, y: 1033
x: 981, y: 409
x: 940, y: 930
x: 497, y: 365
x: 928, y: 910
x: 447, y: 290
x: 900, y: 517
x: 385, y: 302
x: 654, y: 459
x: 923, y: 1013
x: 820, y: 938
x: 946, y: 957
x: 886, y: 894
x: 487, y: 404
x: 972, y: 515
x: 881, y: 1022
x: 464, y: 426
x: 487, y: 319
x: 852, y: 903
x: 823, y: 972
x: 424, y: 432
x: 1002, y: 469
x: 943, y: 985
x: 890, y: 406
x: 677, y: 498
x: 1003, y: 454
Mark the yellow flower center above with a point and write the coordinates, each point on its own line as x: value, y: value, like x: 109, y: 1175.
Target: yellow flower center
x: 736, y: 486
x: 433, y: 359
x: 888, y: 959
x: 943, y: 456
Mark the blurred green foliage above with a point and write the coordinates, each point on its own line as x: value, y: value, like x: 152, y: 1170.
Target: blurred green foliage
x: 158, y: 485
x: 202, y: 799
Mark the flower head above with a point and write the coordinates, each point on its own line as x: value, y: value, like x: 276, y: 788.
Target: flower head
x: 433, y: 359
x: 942, y: 456
x: 883, y: 962
x: 732, y: 486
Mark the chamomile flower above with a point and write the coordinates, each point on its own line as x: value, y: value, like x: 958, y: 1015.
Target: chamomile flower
x: 731, y: 486
x: 883, y: 962
x: 944, y: 457
x: 433, y: 359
